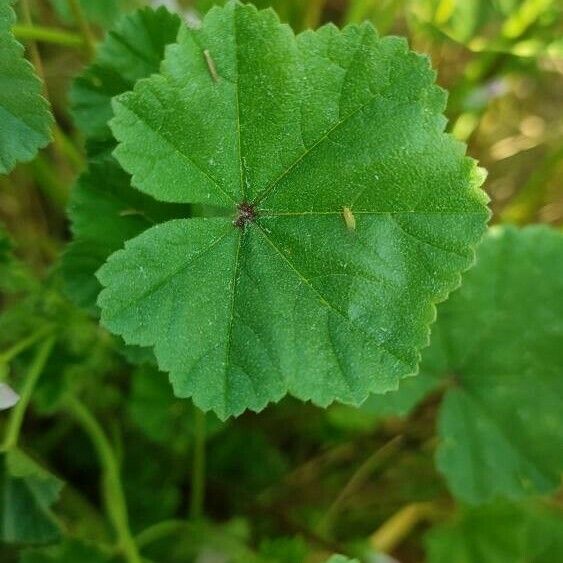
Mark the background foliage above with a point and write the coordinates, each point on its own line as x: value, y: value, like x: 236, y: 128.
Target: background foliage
x: 107, y: 464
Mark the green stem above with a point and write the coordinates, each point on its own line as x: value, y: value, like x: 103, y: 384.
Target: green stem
x: 355, y: 483
x: 313, y: 14
x: 198, y: 467
x: 44, y: 34
x: 400, y: 525
x: 58, y: 135
x: 114, y: 497
x: 85, y: 30
x: 22, y: 345
x: 26, y: 16
x: 159, y: 531
x: 17, y: 414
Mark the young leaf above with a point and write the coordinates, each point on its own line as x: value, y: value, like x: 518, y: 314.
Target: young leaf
x: 105, y: 211
x: 25, y: 119
x: 132, y: 50
x: 500, y: 533
x: 284, y: 132
x: 497, y: 349
x: 27, y: 492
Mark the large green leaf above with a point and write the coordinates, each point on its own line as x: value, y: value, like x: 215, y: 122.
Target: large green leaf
x: 497, y: 349
x: 500, y: 533
x: 25, y: 119
x: 501, y: 420
x: 27, y: 492
x: 285, y: 293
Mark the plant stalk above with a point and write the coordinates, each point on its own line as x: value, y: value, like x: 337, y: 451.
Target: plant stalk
x: 29, y: 32
x: 17, y: 414
x: 356, y: 482
x: 114, y: 497
x: 313, y: 14
x: 22, y: 345
x: 398, y: 527
x: 85, y: 30
x: 159, y: 531
x: 198, y: 467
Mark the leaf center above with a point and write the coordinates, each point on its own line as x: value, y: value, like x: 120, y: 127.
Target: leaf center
x: 246, y: 213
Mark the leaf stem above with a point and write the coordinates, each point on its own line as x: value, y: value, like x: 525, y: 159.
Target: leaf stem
x: 198, y: 467
x: 313, y: 14
x: 114, y: 497
x: 61, y: 143
x: 356, y: 481
x: 26, y: 16
x: 22, y: 345
x: 85, y: 30
x: 158, y: 531
x: 398, y: 527
x: 31, y: 32
x: 17, y: 414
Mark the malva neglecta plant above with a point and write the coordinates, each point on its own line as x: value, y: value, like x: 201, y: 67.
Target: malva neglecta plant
x: 262, y: 214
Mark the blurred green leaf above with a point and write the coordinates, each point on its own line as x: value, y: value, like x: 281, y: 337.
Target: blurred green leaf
x: 500, y: 533
x: 25, y: 118
x: 27, y: 493
x: 502, y: 415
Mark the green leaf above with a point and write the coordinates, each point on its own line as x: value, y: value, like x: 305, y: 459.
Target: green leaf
x: 71, y: 551
x: 284, y: 132
x: 497, y: 350
x: 412, y: 390
x: 130, y: 51
x: 25, y: 119
x: 105, y: 212
x: 27, y: 492
x: 501, y: 533
x: 341, y: 559
x: 104, y: 209
x: 502, y: 417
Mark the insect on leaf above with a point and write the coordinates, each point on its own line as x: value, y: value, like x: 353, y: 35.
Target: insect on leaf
x: 276, y: 297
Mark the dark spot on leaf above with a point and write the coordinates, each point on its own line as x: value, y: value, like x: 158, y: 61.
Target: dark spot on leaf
x: 246, y: 213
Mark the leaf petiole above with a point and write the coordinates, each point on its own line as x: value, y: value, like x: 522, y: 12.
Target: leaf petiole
x: 112, y: 489
x: 16, y: 415
x: 47, y: 35
x: 198, y: 467
x: 22, y: 345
